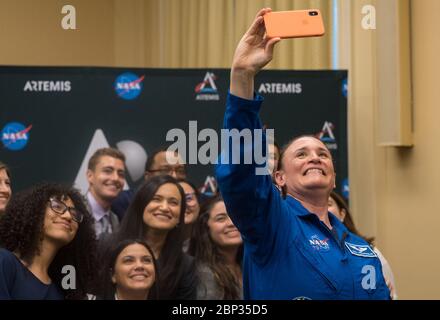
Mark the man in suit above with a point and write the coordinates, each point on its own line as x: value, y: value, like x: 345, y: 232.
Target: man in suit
x: 106, y: 177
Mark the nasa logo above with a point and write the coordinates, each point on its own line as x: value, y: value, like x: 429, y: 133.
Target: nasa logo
x: 301, y: 298
x: 15, y: 136
x: 128, y: 86
x: 319, y: 244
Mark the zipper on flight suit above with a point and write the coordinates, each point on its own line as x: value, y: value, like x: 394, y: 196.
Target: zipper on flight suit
x: 340, y: 243
x: 314, y: 264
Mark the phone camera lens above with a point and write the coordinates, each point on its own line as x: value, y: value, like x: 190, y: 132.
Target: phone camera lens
x: 313, y: 13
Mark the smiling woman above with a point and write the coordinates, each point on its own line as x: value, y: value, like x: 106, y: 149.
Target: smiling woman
x: 43, y: 230
x: 293, y: 248
x: 302, y: 178
x: 130, y: 272
x: 216, y: 245
x: 157, y: 215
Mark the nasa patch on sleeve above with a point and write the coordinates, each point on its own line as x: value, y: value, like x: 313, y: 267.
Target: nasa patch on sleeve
x: 361, y: 250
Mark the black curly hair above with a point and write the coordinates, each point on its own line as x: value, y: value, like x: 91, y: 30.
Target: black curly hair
x: 21, y: 230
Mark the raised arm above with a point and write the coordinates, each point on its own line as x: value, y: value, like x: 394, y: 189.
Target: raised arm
x: 251, y: 200
x: 253, y: 52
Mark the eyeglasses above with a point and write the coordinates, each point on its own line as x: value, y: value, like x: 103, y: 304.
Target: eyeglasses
x: 60, y: 207
x: 190, y: 197
x: 180, y: 171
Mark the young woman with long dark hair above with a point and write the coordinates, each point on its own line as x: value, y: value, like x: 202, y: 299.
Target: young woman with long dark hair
x: 156, y: 215
x: 217, y: 247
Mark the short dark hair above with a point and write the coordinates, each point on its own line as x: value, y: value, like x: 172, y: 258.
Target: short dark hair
x: 288, y: 144
x: 21, y: 229
x: 111, y: 152
x: 151, y: 158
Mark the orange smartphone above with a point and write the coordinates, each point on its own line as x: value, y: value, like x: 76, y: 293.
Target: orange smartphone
x: 294, y: 24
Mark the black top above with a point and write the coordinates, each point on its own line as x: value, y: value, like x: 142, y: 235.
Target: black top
x: 187, y: 284
x: 18, y: 283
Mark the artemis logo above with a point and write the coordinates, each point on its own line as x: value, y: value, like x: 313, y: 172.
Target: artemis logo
x: 327, y: 137
x: 280, y: 88
x: 135, y: 159
x: 47, y: 86
x: 207, y: 90
x: 209, y: 187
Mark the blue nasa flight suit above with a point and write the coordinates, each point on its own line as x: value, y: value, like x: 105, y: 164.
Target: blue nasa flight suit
x: 289, y: 253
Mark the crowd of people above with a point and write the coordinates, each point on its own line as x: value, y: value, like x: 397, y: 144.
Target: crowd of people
x: 284, y: 235
x: 163, y: 242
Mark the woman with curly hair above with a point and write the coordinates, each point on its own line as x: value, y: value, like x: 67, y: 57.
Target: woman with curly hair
x: 49, y: 245
x: 216, y: 245
x: 130, y: 272
x: 5, y: 187
x: 157, y: 215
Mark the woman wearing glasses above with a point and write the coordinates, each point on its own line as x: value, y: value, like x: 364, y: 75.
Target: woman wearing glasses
x: 49, y: 245
x: 156, y: 215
